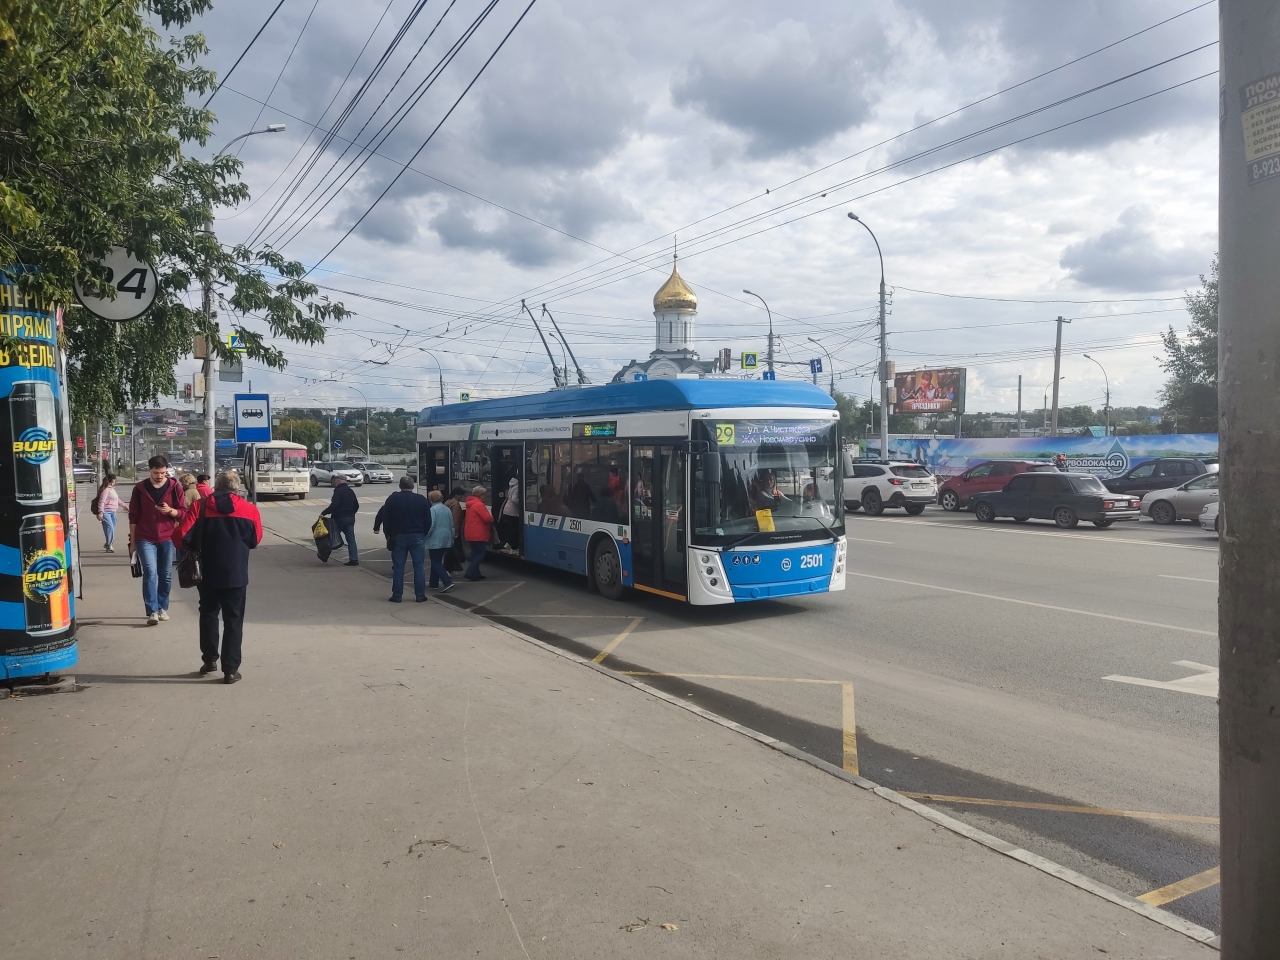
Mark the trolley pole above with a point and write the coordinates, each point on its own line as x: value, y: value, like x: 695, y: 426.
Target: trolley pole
x: 1249, y: 593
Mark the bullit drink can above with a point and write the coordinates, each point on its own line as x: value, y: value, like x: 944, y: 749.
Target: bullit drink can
x: 46, y: 591
x: 33, y: 415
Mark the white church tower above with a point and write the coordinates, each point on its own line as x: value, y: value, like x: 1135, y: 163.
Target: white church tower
x: 675, y: 308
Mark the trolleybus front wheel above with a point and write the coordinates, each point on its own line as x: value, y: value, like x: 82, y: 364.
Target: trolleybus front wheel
x: 606, y: 570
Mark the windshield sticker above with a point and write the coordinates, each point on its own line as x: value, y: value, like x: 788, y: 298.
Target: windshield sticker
x: 724, y: 434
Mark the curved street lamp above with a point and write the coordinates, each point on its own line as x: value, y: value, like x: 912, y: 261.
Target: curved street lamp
x: 884, y: 350
x: 770, y: 313
x: 1107, y: 402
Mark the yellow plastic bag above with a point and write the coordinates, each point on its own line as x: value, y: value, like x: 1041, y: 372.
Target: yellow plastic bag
x: 764, y: 520
x: 319, y: 529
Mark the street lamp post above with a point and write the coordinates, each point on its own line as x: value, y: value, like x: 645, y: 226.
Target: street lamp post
x: 831, y: 367
x: 439, y: 370
x: 770, y: 314
x: 1107, y: 402
x: 206, y: 303
x: 884, y: 351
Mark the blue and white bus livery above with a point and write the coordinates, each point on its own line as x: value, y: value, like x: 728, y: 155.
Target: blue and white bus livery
x: 705, y: 491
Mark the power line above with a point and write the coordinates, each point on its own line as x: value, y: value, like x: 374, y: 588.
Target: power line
x: 423, y: 146
x: 284, y: 66
x: 227, y: 75
x: 964, y: 296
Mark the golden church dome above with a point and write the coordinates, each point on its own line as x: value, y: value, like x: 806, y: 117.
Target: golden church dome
x: 674, y: 295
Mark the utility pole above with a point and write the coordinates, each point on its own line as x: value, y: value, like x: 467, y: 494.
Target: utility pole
x: 1249, y: 592
x: 208, y: 372
x: 1057, y: 369
x: 1019, y: 405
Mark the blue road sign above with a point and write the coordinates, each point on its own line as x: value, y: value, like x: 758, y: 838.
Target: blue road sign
x: 815, y: 365
x: 639, y: 376
x: 253, y: 418
x: 769, y: 375
x: 337, y: 421
x: 337, y: 444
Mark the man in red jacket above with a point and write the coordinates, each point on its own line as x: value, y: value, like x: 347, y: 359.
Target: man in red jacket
x: 222, y: 529
x: 475, y: 530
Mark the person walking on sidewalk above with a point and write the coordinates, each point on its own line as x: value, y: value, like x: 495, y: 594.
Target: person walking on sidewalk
x: 342, y: 508
x: 202, y: 485
x: 155, y: 508
x: 108, y: 505
x: 477, y: 530
x: 406, y: 517
x: 439, y: 540
x: 222, y: 529
x: 189, y: 492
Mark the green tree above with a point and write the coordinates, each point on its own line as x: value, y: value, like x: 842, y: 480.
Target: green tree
x: 306, y: 432
x: 94, y: 121
x: 1191, y: 392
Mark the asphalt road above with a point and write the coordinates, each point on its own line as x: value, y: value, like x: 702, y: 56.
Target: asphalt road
x: 971, y: 660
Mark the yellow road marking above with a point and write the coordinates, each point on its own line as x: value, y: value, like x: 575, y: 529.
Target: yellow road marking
x: 1032, y: 603
x: 849, y: 730
x: 1183, y: 888
x: 1059, y: 808
x: 613, y: 644
x: 500, y: 593
x: 1170, y: 576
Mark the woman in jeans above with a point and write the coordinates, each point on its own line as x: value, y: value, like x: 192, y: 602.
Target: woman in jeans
x: 155, y: 509
x: 439, y: 540
x: 108, y: 504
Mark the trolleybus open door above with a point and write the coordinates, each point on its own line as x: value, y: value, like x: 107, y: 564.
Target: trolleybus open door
x: 658, y: 519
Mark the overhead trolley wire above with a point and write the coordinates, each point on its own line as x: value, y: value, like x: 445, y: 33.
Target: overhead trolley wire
x: 227, y: 76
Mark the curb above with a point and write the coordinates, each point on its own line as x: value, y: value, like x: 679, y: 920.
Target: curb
x: 1110, y: 894
x: 22, y: 689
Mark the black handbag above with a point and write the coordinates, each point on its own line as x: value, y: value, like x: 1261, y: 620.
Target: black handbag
x: 189, y: 572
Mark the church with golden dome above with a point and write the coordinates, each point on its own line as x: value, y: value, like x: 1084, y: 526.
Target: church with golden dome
x: 675, y: 308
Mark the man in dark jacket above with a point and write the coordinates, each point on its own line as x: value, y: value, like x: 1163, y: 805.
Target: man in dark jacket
x: 406, y: 517
x: 223, y: 529
x: 343, y: 509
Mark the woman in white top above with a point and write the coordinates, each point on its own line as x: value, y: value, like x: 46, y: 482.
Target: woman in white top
x: 108, y: 504
x: 509, y: 516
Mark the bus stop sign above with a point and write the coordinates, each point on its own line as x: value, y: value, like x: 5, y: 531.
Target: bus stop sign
x: 253, y: 418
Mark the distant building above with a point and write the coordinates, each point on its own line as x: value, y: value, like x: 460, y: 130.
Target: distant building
x: 675, y: 308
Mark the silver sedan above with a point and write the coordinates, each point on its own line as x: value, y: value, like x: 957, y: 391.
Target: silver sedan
x: 1211, y: 518
x: 1181, y: 503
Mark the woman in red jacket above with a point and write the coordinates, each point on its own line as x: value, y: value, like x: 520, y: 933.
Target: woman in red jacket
x: 476, y: 527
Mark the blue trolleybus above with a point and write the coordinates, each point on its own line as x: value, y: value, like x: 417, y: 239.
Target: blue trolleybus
x: 707, y: 491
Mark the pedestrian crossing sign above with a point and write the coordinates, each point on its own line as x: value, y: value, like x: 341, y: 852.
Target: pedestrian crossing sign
x: 117, y: 429
x: 464, y: 396
x: 750, y: 360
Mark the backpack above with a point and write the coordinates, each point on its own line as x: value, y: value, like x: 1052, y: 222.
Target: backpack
x: 93, y: 505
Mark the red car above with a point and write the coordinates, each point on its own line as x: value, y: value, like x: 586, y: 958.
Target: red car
x: 957, y: 492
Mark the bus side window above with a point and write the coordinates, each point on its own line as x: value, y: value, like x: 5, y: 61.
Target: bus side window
x: 538, y: 492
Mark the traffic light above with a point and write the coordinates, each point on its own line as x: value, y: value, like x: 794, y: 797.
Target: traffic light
x: 186, y: 391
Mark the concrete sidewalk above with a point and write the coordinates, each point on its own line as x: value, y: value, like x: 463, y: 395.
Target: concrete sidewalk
x: 408, y: 779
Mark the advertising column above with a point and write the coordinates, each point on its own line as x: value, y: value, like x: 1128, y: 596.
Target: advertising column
x: 37, y: 608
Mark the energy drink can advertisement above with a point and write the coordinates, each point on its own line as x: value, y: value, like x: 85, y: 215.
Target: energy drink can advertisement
x: 37, y: 542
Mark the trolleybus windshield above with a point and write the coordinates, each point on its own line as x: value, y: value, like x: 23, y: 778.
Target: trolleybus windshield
x: 765, y: 480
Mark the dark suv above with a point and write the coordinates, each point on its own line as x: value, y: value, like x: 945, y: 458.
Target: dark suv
x: 1157, y: 475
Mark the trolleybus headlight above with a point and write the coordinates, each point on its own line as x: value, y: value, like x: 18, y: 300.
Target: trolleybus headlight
x: 715, y: 581
x: 705, y: 558
x: 710, y: 571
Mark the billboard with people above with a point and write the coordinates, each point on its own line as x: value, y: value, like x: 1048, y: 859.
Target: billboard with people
x: 37, y: 491
x: 930, y: 391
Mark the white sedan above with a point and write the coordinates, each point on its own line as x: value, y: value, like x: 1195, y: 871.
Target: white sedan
x: 1211, y: 519
x: 1183, y: 502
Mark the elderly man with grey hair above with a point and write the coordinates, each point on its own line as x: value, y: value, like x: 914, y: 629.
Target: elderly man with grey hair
x: 222, y: 529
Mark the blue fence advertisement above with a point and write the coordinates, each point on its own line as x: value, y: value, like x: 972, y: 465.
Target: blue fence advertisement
x: 1101, y: 456
x: 37, y: 492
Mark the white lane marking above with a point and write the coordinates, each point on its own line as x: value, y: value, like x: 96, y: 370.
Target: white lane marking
x: 988, y: 528
x: 887, y: 543
x: 1032, y: 603
x: 1170, y: 576
x: 1203, y: 683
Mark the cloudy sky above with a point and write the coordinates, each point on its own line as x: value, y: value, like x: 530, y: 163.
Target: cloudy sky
x: 1007, y: 184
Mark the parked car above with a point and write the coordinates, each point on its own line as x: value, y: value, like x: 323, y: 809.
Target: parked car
x: 83, y: 472
x: 875, y: 486
x: 411, y: 471
x: 956, y: 492
x: 373, y: 472
x: 1064, y: 498
x: 1181, y: 503
x: 325, y: 470
x: 1211, y: 517
x: 1158, y: 474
